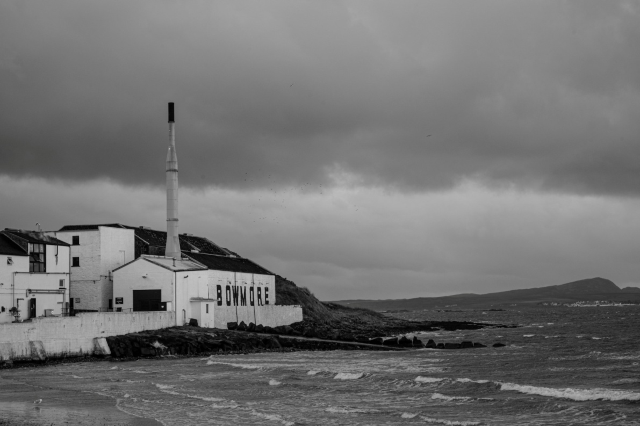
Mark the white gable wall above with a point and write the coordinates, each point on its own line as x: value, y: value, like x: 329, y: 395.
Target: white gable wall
x: 100, y: 252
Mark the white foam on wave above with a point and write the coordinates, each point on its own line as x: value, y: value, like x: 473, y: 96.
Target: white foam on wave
x: 274, y: 382
x: 225, y: 403
x: 348, y: 376
x: 272, y: 417
x: 76, y: 377
x: 421, y: 379
x: 528, y: 335
x: 113, y: 368
x: 628, y: 380
x: 231, y: 364
x: 312, y: 372
x: 344, y: 410
x: 465, y: 380
x: 408, y: 415
x: 574, y: 394
x: 448, y: 422
x: 449, y: 398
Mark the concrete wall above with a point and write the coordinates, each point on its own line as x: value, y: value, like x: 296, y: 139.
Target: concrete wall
x: 271, y: 315
x: 72, y: 336
x: 57, y: 258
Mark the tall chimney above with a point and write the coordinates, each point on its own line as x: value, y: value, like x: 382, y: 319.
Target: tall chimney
x: 173, y: 242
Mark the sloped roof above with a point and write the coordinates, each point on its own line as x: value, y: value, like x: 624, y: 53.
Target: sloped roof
x: 174, y: 265
x: 9, y: 248
x: 89, y: 227
x: 224, y: 263
x: 35, y: 237
x: 167, y: 263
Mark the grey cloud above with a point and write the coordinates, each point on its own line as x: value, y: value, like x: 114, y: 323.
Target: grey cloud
x: 540, y: 94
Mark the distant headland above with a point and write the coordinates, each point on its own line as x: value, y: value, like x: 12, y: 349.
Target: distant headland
x: 577, y: 293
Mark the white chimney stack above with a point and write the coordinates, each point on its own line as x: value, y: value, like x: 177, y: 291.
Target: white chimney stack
x: 173, y: 242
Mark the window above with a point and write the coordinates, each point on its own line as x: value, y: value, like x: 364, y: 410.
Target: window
x: 9, y: 261
x: 75, y: 261
x: 61, y: 283
x: 75, y: 240
x: 207, y: 306
x: 37, y: 258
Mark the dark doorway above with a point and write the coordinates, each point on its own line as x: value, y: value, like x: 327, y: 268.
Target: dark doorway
x: 146, y: 300
x: 110, y: 305
x: 32, y: 307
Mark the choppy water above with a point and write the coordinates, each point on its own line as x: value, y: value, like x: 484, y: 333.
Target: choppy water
x: 565, y: 366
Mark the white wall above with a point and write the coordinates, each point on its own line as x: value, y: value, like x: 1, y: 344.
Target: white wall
x: 37, y: 282
x: 57, y: 258
x: 20, y: 264
x: 129, y: 278
x: 66, y: 336
x: 100, y: 252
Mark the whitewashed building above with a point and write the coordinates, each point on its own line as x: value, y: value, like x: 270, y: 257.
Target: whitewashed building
x: 34, y: 275
x: 96, y: 250
x: 211, y: 289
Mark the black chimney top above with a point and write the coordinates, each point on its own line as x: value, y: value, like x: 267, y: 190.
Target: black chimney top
x: 171, y: 120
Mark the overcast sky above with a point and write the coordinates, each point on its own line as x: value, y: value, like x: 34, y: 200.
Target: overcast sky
x: 362, y: 149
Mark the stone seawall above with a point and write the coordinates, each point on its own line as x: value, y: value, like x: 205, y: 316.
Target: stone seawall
x: 59, y: 337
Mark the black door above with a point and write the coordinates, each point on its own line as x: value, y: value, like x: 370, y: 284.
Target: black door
x: 146, y: 300
x: 32, y: 307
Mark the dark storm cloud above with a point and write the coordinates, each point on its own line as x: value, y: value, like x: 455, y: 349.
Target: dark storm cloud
x: 416, y: 95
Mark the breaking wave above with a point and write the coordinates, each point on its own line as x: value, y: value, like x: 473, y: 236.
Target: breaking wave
x: 274, y: 382
x: 272, y: 417
x: 421, y: 379
x: 465, y: 380
x: 408, y: 415
x: 245, y: 366
x: 449, y: 398
x: 574, y: 394
x: 348, y: 376
x: 343, y: 410
x: 312, y: 372
x: 449, y: 422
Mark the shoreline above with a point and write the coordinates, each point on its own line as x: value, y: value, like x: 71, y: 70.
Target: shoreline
x: 18, y: 407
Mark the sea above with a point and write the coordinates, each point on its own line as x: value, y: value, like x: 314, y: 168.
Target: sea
x: 561, y: 366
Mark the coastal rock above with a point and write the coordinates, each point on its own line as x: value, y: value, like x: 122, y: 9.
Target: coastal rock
x: 193, y: 322
x: 376, y: 341
x: 251, y: 327
x: 417, y: 343
x: 242, y: 326
x: 466, y: 344
x: 391, y: 342
x: 362, y: 339
x: 269, y: 330
x: 440, y: 346
x: 479, y: 345
x: 260, y: 328
x: 232, y: 325
x: 405, y: 342
x: 498, y: 345
x: 430, y: 344
x: 452, y: 346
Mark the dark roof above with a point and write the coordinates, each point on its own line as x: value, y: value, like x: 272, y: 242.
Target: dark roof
x: 35, y: 237
x: 225, y: 263
x: 204, y: 245
x: 89, y: 227
x: 9, y: 248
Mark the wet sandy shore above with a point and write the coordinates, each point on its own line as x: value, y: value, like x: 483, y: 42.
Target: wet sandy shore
x: 20, y: 405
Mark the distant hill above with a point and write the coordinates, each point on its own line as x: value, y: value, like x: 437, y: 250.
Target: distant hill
x: 588, y: 290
